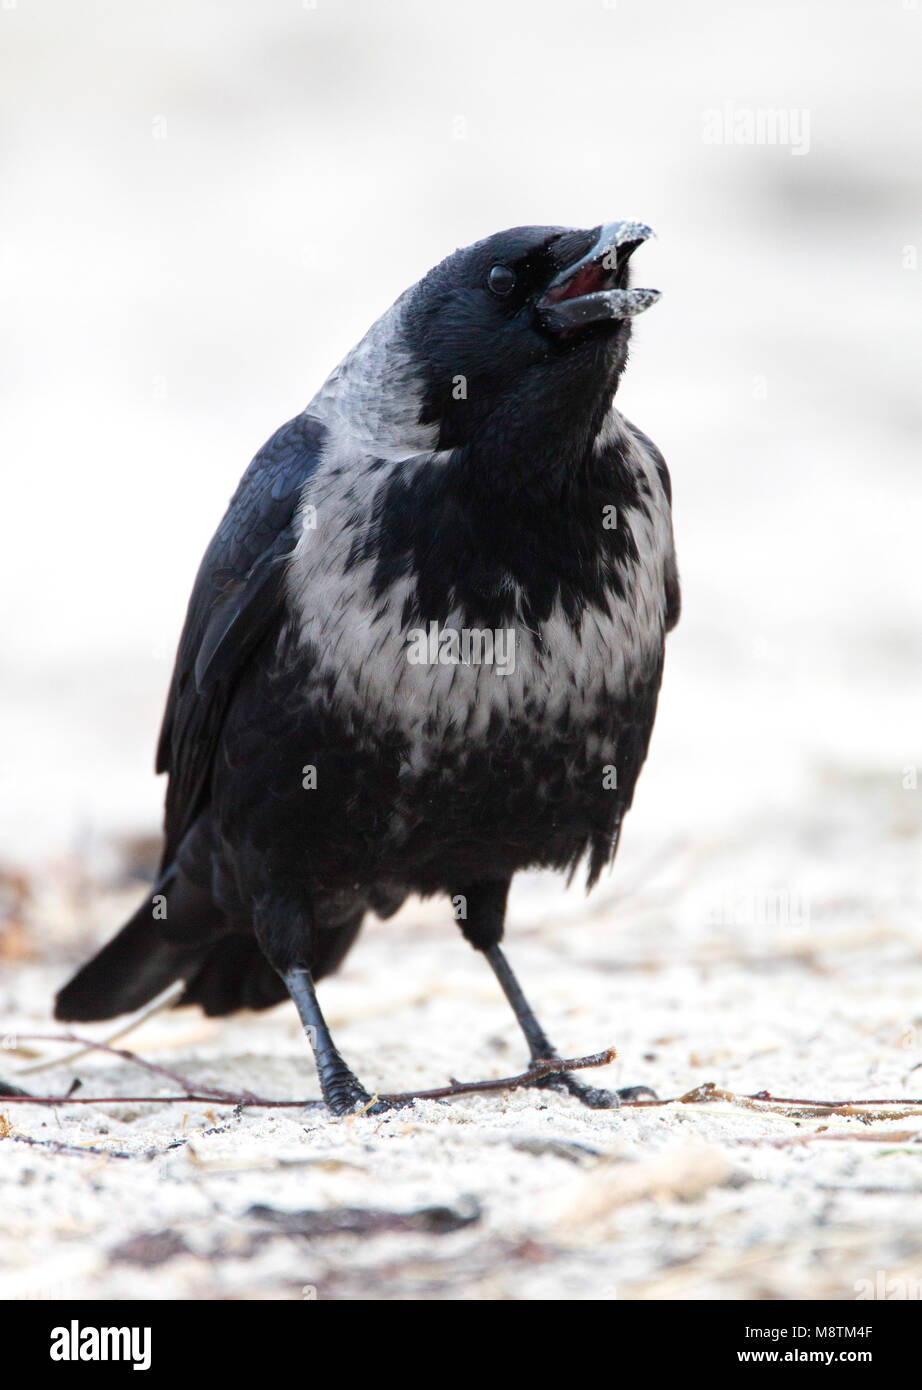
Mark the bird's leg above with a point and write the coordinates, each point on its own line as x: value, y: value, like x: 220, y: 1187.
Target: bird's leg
x: 342, y: 1090
x: 540, y: 1046
x: 481, y: 912
x: 285, y: 932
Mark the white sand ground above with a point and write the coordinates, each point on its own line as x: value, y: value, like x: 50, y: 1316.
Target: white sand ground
x: 547, y: 1199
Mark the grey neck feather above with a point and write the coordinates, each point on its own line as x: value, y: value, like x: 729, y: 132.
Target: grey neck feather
x: 375, y: 394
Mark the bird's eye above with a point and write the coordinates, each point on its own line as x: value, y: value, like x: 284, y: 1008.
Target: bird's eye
x: 501, y: 280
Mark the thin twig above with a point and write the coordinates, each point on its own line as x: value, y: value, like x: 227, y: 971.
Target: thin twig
x: 56, y: 1146
x: 196, y: 1093
x: 90, y: 1045
x: 766, y: 1103
x: 536, y: 1072
x: 163, y: 1000
x: 793, y: 1100
x: 187, y: 1097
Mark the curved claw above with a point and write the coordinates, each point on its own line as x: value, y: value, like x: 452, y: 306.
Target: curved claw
x: 355, y: 1100
x: 637, y: 1093
x: 594, y: 1097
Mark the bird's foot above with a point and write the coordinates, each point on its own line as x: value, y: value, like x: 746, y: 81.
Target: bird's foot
x: 637, y: 1093
x: 595, y: 1097
x: 347, y: 1096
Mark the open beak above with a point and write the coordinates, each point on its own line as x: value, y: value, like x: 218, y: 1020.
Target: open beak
x: 587, y: 291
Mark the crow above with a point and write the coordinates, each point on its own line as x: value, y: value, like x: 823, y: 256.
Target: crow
x: 423, y: 650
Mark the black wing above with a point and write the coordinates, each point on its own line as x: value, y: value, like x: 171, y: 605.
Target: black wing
x: 238, y: 594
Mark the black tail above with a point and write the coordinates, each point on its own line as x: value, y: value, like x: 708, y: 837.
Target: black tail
x: 166, y: 940
x: 234, y: 975
x: 179, y: 934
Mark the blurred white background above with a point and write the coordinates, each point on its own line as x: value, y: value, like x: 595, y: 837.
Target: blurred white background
x: 205, y: 205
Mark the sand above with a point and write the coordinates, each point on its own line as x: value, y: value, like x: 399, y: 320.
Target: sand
x: 522, y: 1194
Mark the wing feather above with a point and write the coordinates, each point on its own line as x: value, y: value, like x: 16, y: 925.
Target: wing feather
x: 237, y: 597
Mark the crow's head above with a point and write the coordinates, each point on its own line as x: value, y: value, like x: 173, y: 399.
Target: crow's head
x: 521, y: 338
x: 508, y: 353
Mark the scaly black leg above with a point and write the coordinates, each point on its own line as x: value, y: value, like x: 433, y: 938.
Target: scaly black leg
x: 540, y: 1046
x: 342, y: 1090
x: 286, y: 930
x: 481, y: 919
